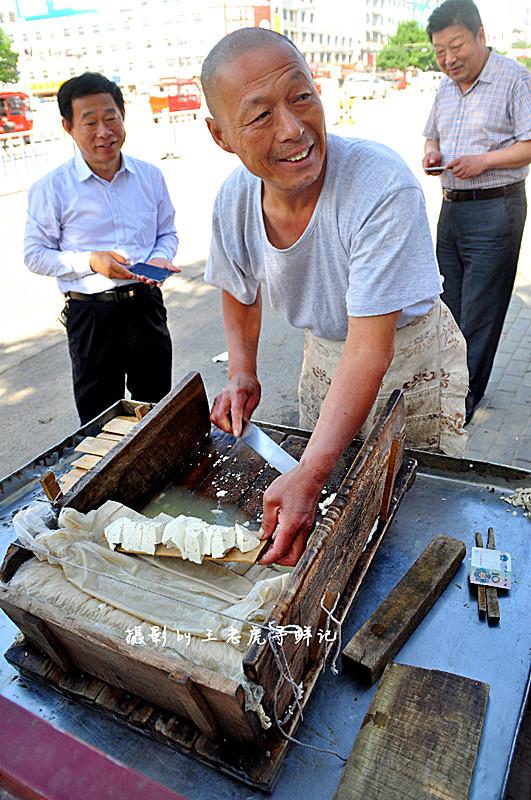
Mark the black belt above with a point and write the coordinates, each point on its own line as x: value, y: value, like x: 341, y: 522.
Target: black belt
x: 118, y: 295
x: 482, y: 194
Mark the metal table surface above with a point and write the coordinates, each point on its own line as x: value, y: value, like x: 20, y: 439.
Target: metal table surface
x: 449, y: 496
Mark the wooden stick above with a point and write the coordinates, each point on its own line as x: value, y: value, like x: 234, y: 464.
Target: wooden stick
x: 51, y: 488
x: 491, y: 593
x: 482, y: 600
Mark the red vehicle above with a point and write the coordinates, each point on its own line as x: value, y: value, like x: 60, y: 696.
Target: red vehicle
x: 15, y: 113
x: 175, y: 95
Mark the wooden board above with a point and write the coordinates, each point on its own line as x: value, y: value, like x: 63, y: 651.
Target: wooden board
x: 388, y: 628
x: 150, y: 455
x: 419, y: 738
x: 234, y: 555
x: 119, y: 425
x: 86, y: 461
x: 95, y: 446
x: 345, y: 529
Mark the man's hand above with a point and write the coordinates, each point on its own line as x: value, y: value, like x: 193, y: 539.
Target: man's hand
x: 236, y: 402
x: 432, y: 158
x: 291, y: 503
x: 111, y: 265
x: 468, y: 166
x: 160, y: 262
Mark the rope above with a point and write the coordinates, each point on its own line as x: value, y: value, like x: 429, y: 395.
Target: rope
x: 330, y: 617
x: 273, y: 638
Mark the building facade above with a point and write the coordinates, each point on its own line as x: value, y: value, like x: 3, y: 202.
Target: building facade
x: 137, y: 42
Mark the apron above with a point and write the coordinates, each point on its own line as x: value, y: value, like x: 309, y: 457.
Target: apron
x: 429, y: 366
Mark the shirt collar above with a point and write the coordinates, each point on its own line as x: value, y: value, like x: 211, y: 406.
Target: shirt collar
x: 488, y: 73
x: 84, y: 172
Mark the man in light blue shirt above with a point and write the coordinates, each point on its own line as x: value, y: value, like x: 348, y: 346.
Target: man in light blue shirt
x: 87, y: 220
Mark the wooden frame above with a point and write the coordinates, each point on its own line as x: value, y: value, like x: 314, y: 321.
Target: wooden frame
x: 172, y: 443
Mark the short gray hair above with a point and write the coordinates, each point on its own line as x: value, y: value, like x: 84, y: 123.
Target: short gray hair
x: 229, y: 48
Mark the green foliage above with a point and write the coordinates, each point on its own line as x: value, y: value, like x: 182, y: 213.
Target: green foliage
x: 525, y: 61
x: 8, y: 60
x: 409, y: 47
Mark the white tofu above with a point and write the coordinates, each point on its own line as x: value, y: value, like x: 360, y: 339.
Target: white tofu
x: 175, y: 532
x: 245, y: 541
x: 217, y: 546
x: 137, y: 536
x: 229, y: 539
x: 113, y: 532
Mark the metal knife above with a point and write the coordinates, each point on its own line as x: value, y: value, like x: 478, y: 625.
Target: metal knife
x: 267, y: 448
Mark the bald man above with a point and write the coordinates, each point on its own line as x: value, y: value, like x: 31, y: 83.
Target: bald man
x: 336, y: 229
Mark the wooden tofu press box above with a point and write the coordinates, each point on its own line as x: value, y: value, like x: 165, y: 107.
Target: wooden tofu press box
x: 189, y: 707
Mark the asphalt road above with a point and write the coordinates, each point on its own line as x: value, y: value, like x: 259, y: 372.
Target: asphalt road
x: 36, y: 400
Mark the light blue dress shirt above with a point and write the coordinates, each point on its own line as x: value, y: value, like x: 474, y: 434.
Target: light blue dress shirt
x: 72, y: 212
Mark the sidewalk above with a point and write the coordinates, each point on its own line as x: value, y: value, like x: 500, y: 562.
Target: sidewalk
x: 500, y: 430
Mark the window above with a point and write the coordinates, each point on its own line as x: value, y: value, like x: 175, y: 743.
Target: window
x: 24, y: 37
x: 81, y: 31
x: 96, y: 28
x: 98, y: 50
x: 38, y: 35
x: 72, y: 71
x: 66, y: 32
x: 113, y: 48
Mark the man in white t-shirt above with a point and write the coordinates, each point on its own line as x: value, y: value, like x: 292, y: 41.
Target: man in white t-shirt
x: 337, y: 231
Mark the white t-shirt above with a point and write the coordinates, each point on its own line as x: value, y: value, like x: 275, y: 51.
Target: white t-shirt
x: 367, y: 249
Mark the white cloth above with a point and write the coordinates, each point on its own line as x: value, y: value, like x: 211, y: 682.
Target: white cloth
x: 72, y: 212
x: 119, y: 592
x: 367, y: 249
x: 429, y: 366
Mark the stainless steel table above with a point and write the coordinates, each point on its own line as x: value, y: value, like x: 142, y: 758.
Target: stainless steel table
x: 452, y: 496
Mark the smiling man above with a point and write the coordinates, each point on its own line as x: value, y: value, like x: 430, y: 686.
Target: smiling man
x: 479, y: 133
x: 336, y: 229
x: 89, y: 219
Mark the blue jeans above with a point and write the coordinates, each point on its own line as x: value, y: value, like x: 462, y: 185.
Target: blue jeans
x: 478, y: 243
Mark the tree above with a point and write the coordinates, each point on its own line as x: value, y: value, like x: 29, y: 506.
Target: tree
x: 409, y: 47
x: 8, y: 60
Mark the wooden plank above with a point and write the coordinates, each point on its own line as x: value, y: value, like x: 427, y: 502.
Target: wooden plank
x: 52, y: 490
x: 111, y: 437
x: 151, y: 454
x: 95, y: 446
x: 198, y: 710
x: 13, y: 559
x: 72, y: 475
x: 119, y: 425
x: 491, y: 593
x: 482, y: 597
x: 86, y: 461
x: 138, y: 670
x: 344, y: 530
x: 234, y: 555
x: 419, y: 738
x: 390, y: 626
x: 36, y: 630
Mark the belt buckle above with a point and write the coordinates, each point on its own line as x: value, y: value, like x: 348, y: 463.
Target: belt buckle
x: 121, y: 295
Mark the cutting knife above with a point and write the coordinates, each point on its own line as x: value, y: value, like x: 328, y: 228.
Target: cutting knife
x: 267, y: 448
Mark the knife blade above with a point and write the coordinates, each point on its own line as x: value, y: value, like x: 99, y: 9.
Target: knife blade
x: 267, y: 448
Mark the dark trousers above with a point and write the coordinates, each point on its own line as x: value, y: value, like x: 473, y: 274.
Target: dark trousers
x: 117, y: 344
x: 478, y: 243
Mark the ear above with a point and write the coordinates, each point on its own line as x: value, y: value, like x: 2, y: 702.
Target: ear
x: 482, y: 39
x: 218, y: 135
x: 67, y: 126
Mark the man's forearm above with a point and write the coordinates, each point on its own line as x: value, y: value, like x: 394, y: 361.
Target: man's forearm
x: 242, y: 331
x: 350, y: 398
x: 517, y: 155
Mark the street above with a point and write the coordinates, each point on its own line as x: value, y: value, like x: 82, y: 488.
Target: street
x: 36, y: 400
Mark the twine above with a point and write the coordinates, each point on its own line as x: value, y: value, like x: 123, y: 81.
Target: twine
x: 271, y: 629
